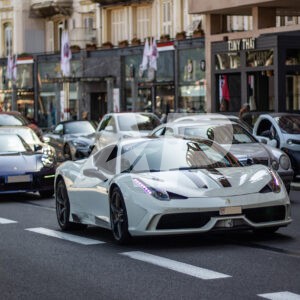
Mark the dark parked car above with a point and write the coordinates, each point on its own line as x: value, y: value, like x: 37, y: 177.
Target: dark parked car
x: 71, y: 139
x: 13, y: 118
x: 25, y: 170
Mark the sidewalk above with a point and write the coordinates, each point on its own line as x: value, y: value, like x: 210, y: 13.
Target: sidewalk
x: 295, y: 186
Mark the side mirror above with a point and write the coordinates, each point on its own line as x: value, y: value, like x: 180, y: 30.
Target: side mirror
x: 94, y: 173
x: 264, y: 141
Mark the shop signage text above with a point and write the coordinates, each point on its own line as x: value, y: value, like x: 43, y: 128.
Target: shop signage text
x: 241, y: 44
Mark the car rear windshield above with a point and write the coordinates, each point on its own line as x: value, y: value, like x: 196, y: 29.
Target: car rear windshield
x: 137, y: 122
x: 84, y: 127
x: 222, y: 134
x: 12, y: 120
x: 289, y: 124
x: 13, y: 143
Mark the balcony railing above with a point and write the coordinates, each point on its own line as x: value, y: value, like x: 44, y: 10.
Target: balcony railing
x: 114, y: 2
x: 48, y: 8
x: 82, y: 36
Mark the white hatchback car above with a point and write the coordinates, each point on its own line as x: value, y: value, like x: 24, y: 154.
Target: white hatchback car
x: 281, y: 130
x: 115, y: 126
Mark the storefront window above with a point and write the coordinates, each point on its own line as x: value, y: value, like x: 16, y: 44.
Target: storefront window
x: 259, y: 58
x: 261, y: 91
x: 192, y: 90
x: 228, y: 87
x: 229, y: 60
x: 292, y: 57
x: 292, y: 92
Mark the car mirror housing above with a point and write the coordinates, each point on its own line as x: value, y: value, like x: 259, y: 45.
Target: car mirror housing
x: 93, y: 172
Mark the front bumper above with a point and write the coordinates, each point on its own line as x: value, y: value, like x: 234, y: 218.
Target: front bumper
x: 187, y: 216
x: 38, y: 181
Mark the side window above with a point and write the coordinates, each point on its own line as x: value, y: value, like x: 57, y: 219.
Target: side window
x: 104, y: 123
x: 111, y: 125
x: 105, y: 159
x: 169, y: 131
x: 59, y: 129
x: 160, y: 131
x: 264, y: 128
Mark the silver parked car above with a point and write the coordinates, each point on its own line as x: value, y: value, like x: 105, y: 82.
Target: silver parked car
x: 281, y: 130
x: 236, y: 139
x: 115, y: 126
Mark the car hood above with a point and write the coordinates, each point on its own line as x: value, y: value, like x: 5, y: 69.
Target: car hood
x: 136, y: 133
x: 220, y: 182
x: 254, y: 151
x: 87, y: 139
x: 16, y: 163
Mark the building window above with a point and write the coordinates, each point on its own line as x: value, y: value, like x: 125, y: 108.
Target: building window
x: 143, y: 22
x: 167, y: 17
x: 117, y: 25
x: 8, y: 39
x: 88, y: 22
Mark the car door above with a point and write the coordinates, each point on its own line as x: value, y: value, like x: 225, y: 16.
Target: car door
x: 89, y: 192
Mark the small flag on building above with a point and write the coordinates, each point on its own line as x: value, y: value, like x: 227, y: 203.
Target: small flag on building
x: 66, y: 54
x: 154, y: 55
x: 145, y: 61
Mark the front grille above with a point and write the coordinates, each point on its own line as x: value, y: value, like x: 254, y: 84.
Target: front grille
x: 265, y: 214
x: 185, y: 220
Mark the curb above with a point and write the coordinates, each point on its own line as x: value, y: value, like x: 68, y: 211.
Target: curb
x: 295, y: 186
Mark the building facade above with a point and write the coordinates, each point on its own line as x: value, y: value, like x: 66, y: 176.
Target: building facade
x: 106, y: 79
x: 252, y: 54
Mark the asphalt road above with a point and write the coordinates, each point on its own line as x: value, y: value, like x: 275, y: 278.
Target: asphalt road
x: 36, y: 262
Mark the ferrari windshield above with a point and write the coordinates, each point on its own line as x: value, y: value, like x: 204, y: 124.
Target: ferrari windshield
x: 13, y: 143
x: 289, y: 124
x: 174, y: 154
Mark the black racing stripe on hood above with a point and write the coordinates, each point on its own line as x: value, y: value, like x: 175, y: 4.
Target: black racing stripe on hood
x: 217, y: 175
x: 195, y: 179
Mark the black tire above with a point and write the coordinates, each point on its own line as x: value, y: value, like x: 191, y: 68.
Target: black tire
x: 118, y: 217
x: 266, y: 231
x: 63, y: 208
x: 67, y: 153
x: 46, y: 193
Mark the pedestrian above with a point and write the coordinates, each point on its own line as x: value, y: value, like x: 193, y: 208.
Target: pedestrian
x: 84, y: 115
x: 245, y: 115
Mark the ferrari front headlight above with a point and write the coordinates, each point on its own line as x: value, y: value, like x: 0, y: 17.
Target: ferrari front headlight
x: 273, y: 185
x: 157, y: 193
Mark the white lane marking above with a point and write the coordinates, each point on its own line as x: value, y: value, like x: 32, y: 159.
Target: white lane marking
x: 175, y: 265
x: 281, y: 296
x: 65, y: 236
x: 7, y: 221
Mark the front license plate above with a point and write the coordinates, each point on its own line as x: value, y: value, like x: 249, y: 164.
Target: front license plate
x: 19, y: 178
x: 230, y: 210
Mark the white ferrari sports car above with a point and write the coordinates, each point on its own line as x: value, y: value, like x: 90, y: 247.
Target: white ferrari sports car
x: 168, y: 186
